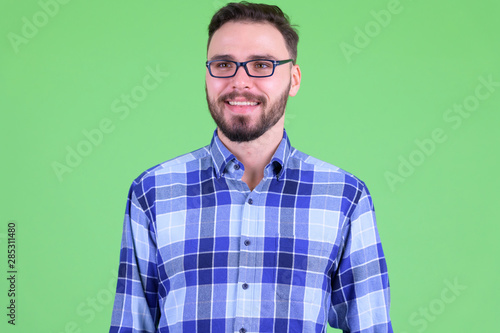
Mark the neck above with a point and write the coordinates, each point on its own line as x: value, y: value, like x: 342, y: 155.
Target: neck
x: 256, y: 154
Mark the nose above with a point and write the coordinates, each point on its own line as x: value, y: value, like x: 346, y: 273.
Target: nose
x: 241, y: 79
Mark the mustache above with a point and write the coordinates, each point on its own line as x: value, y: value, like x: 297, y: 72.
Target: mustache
x: 246, y: 95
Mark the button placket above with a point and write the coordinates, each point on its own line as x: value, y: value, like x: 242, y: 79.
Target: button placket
x: 247, y: 275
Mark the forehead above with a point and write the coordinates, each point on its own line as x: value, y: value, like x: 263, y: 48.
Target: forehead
x: 244, y: 39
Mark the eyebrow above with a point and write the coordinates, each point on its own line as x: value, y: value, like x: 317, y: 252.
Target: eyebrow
x: 251, y: 57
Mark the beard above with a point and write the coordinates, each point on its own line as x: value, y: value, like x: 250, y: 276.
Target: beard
x: 238, y: 128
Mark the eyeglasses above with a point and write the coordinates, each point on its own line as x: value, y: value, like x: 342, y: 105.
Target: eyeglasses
x: 254, y: 68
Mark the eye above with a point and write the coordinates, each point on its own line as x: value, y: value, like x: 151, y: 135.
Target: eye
x: 223, y: 64
x: 261, y: 65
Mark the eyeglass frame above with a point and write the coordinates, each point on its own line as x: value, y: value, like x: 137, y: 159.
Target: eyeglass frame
x: 244, y: 65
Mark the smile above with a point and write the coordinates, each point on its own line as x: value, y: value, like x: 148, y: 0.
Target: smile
x: 242, y: 103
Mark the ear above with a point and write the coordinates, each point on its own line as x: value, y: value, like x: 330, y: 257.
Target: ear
x: 294, y: 88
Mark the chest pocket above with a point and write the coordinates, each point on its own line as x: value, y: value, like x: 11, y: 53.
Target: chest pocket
x: 302, y: 268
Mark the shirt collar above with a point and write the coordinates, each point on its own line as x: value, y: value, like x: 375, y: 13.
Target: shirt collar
x: 221, y: 156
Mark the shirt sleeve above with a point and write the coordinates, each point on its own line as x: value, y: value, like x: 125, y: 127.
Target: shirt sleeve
x: 360, y: 287
x: 136, y: 307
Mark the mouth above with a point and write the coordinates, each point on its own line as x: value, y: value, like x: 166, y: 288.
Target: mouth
x: 242, y: 103
x: 242, y: 106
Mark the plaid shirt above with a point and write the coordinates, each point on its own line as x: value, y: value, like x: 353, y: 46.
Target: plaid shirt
x: 202, y: 253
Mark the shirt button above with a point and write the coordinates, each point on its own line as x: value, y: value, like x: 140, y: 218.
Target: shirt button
x: 236, y: 167
x: 246, y: 242
x: 250, y: 201
x: 242, y: 330
x: 245, y: 286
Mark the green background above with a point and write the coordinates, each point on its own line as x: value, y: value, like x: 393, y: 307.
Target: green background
x: 363, y: 111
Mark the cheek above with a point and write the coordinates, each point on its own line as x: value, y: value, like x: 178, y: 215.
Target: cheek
x: 214, y: 86
x: 274, y: 88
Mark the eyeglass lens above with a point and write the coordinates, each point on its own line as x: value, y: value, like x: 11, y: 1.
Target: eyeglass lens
x: 255, y: 67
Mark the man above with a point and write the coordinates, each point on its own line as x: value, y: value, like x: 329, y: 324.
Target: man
x: 249, y: 234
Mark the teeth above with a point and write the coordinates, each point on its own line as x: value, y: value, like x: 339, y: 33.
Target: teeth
x: 242, y: 103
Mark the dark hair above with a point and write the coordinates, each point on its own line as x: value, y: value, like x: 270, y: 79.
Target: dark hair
x: 256, y: 12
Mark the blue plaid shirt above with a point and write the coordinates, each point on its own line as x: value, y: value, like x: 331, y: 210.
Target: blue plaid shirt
x: 202, y: 253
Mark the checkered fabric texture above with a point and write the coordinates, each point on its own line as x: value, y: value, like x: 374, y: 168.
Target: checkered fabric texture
x: 202, y: 253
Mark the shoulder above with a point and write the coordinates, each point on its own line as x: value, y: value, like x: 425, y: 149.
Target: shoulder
x: 342, y: 188
x: 325, y: 173
x: 180, y: 165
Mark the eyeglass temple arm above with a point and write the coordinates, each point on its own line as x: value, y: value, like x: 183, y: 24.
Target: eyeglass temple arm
x: 281, y: 62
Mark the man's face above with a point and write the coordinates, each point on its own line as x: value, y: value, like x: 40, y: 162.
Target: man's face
x: 243, y: 41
